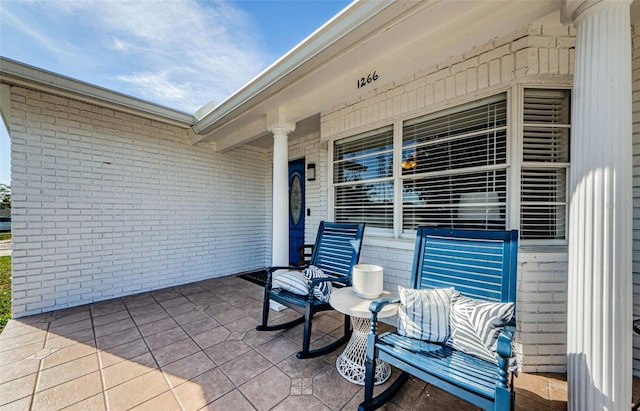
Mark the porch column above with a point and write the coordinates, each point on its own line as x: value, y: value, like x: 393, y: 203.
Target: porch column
x: 600, y: 223
x: 280, y: 229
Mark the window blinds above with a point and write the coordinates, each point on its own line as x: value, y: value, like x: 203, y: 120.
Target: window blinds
x: 454, y: 167
x: 545, y: 163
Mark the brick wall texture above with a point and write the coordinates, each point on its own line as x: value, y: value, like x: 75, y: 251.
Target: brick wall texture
x: 108, y: 204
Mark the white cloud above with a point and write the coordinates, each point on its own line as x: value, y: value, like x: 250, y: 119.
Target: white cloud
x: 56, y: 47
x: 119, y: 45
x: 157, y: 86
x: 180, y: 53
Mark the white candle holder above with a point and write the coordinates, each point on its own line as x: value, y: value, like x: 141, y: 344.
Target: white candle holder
x: 366, y: 280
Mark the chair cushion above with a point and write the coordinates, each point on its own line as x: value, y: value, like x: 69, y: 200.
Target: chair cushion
x: 293, y: 281
x: 424, y: 314
x: 321, y: 291
x: 297, y: 282
x: 476, y: 324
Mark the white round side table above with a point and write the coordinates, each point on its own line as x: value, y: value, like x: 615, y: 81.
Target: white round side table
x: 350, y: 363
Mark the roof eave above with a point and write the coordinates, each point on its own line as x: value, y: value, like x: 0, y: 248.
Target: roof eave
x: 19, y: 74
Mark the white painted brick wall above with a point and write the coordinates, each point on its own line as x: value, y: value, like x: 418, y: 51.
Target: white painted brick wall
x: 541, y: 333
x: 526, y: 55
x: 107, y: 204
x: 538, y: 54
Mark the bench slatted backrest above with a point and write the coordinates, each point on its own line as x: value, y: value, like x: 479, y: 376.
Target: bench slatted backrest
x: 477, y: 263
x: 337, y: 248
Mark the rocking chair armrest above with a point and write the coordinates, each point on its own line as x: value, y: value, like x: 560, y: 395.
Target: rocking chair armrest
x: 316, y: 281
x: 319, y: 280
x: 270, y: 271
x: 504, y: 341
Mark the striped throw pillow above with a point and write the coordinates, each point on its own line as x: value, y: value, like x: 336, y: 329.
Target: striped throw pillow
x: 476, y: 324
x: 424, y: 314
x: 293, y: 281
x: 321, y: 291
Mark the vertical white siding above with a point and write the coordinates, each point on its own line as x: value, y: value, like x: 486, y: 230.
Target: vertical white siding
x: 635, y: 66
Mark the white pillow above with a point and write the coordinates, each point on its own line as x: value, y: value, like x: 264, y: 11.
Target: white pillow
x: 297, y: 282
x: 424, y: 314
x: 476, y: 325
x: 293, y: 281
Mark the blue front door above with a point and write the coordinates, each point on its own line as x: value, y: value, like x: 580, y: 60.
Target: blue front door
x: 296, y: 209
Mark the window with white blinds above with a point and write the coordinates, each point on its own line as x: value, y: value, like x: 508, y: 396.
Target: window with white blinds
x: 363, y: 178
x: 545, y: 164
x: 454, y: 167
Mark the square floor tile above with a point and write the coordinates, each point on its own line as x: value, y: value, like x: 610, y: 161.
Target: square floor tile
x: 233, y: 401
x: 278, y: 349
x: 17, y: 388
x: 123, y: 352
x: 163, y: 402
x: 67, y: 371
x: 128, y: 370
x: 135, y: 392
x: 175, y: 351
x: 187, y: 368
x: 68, y: 353
x: 69, y: 393
x: 226, y: 351
x: 263, y: 393
x: 202, y: 390
x: 164, y: 338
x: 245, y: 367
x: 211, y: 337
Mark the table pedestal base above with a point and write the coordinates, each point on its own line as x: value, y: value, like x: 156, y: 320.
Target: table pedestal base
x: 350, y: 363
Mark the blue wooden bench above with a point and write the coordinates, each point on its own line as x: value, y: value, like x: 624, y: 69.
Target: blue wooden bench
x: 478, y: 264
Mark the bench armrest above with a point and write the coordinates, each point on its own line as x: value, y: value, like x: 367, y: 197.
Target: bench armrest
x: 504, y: 341
x: 377, y: 305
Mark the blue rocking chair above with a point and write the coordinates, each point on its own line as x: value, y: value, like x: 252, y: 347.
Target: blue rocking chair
x: 335, y: 252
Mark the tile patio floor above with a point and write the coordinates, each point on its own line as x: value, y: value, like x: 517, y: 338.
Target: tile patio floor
x: 195, y: 347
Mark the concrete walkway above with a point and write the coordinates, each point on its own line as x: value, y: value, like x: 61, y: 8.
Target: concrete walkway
x: 5, y: 248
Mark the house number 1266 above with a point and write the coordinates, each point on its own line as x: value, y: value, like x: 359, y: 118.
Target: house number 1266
x: 371, y: 77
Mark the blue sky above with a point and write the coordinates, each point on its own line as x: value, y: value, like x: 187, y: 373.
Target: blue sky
x: 178, y: 53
